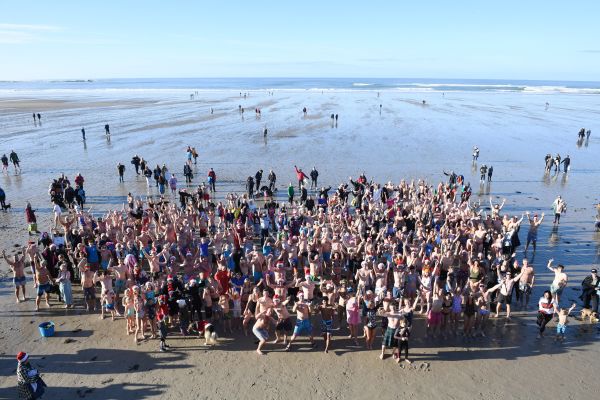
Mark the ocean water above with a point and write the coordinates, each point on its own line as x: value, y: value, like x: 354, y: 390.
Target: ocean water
x: 315, y: 84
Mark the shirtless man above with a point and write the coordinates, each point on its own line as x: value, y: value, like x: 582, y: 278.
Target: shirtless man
x: 381, y: 275
x: 303, y: 325
x: 506, y: 288
x: 496, y: 207
x: 398, y: 289
x: 42, y: 281
x: 284, y: 324
x: 87, y: 284
x: 526, y: 282
x: 533, y: 230
x: 560, y: 280
x: 308, y: 289
x: 263, y: 321
x: 327, y: 311
x: 364, y: 276
x: 17, y: 265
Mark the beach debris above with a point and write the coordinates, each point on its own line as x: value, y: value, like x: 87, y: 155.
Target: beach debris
x: 109, y: 380
x: 69, y: 340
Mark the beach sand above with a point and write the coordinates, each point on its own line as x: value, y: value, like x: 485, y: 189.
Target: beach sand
x: 94, y: 359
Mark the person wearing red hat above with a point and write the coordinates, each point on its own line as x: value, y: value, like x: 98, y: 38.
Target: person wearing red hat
x: 30, y: 384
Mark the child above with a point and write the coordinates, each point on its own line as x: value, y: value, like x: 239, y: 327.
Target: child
x: 563, y: 320
x: 129, y: 311
x: 161, y: 316
x: 108, y: 303
x: 227, y: 314
x: 402, y: 334
x: 237, y: 310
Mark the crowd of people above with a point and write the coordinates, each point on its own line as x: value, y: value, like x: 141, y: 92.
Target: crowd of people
x: 362, y: 258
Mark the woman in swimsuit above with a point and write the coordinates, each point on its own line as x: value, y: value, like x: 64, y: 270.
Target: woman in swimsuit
x: 370, y: 312
x: 483, y: 313
x: 129, y: 311
x: 446, y: 312
x: 456, y: 308
x: 250, y: 308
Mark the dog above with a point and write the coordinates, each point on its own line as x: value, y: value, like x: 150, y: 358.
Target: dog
x: 587, y: 313
x: 207, y: 330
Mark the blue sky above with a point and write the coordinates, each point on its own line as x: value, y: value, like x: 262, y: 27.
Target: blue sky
x: 438, y: 39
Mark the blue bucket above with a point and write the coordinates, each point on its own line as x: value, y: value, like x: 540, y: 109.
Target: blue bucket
x: 46, y: 329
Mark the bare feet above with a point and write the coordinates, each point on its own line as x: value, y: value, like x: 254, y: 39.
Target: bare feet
x: 408, y: 361
x: 381, y: 356
x: 260, y: 353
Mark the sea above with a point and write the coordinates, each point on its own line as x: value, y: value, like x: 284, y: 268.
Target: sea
x: 304, y: 84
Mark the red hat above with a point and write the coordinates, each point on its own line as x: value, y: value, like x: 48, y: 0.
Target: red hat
x: 22, y: 356
x: 276, y: 296
x: 169, y: 277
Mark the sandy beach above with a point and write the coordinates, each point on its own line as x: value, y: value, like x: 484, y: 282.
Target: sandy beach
x: 402, y: 139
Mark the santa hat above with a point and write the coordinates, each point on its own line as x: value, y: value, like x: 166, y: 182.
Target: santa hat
x: 169, y: 277
x: 22, y: 357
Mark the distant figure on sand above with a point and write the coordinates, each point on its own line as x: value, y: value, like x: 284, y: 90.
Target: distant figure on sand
x: 39, y: 118
x: 475, y: 153
x: 34, y: 118
x: 107, y: 129
x: 304, y: 111
x: 83, y: 133
x: 265, y: 133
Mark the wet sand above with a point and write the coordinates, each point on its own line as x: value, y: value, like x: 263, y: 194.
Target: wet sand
x: 407, y: 140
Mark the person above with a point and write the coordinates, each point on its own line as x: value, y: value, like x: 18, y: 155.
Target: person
x: 506, y: 287
x: 546, y: 309
x: 42, y: 281
x: 3, y: 200
x: 260, y: 329
x: 563, y: 320
x: 173, y: 184
x: 83, y: 133
x: 257, y: 179
x: 327, y: 311
x: 135, y: 160
x: 272, y: 178
x: 64, y: 282
x: 187, y: 172
x: 17, y: 265
x: 301, y: 177
x: 4, y: 164
x: 526, y: 283
x: 590, y: 287
x: 212, y: 179
x: 559, y: 206
x: 560, y: 280
x: 39, y: 118
x: 121, y: 170
x: 402, y: 334
x: 483, y: 170
x: 31, y: 219
x: 195, y: 155
x: 34, y: 118
x: 475, y: 153
x: 30, y: 384
x: 14, y: 158
x: 566, y: 163
x: 291, y: 193
x: 250, y: 187
x: 490, y: 173
x: 533, y: 230
x: 302, y: 309
x: 106, y: 130
x: 314, y: 175
x: 265, y: 133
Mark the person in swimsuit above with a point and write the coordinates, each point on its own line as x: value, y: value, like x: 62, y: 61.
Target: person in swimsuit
x: 327, y: 311
x: 370, y: 312
x: 352, y: 314
x: 302, y: 309
x: 401, y: 335
x: 250, y: 308
x: 469, y: 315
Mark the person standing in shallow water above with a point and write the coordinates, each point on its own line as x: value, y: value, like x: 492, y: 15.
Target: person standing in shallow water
x: 83, y: 133
x: 121, y: 170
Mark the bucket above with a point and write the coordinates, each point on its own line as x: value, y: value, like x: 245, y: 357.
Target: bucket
x: 46, y: 329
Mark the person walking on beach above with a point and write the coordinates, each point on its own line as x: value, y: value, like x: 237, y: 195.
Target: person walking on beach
x: 14, y: 158
x: 272, y: 178
x: 187, y: 172
x: 34, y: 119
x: 121, y: 170
x: 265, y: 132
x: 107, y: 130
x: 314, y: 175
x: 475, y: 153
x: 39, y: 118
x: 3, y: 200
x: 490, y: 173
x: 291, y: 193
x: 533, y: 230
x: 559, y: 206
x: 483, y: 172
x: 17, y: 265
x: 30, y: 219
x: 566, y: 162
x: 173, y: 184
x: 4, y: 164
x: 135, y: 160
x: 148, y: 174
x: 257, y: 179
x: 83, y: 133
x: 250, y: 186
x: 30, y: 384
x: 212, y: 179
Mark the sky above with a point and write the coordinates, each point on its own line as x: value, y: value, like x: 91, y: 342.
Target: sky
x: 526, y: 39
